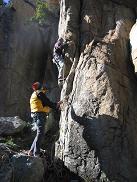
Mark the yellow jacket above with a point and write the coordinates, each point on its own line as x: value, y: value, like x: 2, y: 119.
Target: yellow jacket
x: 36, y: 103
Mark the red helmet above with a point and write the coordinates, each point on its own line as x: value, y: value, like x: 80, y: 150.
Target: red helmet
x: 36, y: 86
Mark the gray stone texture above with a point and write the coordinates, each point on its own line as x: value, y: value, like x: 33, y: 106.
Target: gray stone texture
x: 27, y: 168
x: 25, y: 54
x: 18, y: 167
x: 11, y: 125
x: 6, y: 171
x: 98, y: 120
x: 133, y: 44
x: 98, y: 130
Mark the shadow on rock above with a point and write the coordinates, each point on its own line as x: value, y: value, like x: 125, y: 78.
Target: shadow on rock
x: 57, y: 172
x: 107, y: 136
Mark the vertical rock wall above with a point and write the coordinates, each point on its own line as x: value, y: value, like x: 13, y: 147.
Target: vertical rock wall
x: 53, y: 6
x: 133, y: 42
x: 98, y: 120
x: 25, y: 56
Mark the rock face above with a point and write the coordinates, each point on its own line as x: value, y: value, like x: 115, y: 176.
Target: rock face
x: 53, y: 6
x: 98, y: 122
x: 19, y: 168
x: 98, y: 128
x: 133, y: 42
x: 128, y: 3
x: 11, y: 125
x: 5, y: 165
x: 27, y: 168
x: 25, y: 54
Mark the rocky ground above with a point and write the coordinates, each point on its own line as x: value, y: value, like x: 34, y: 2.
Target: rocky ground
x: 96, y: 136
x: 17, y: 166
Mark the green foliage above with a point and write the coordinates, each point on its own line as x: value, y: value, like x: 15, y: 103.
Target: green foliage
x: 10, y: 142
x: 1, y: 2
x: 41, y: 12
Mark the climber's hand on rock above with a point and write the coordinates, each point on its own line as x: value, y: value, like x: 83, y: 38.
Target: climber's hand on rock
x: 59, y: 105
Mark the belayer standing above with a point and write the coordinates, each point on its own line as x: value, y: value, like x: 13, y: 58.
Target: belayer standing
x: 58, y: 57
x: 40, y: 106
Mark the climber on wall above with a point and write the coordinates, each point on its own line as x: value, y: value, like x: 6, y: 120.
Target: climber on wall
x: 40, y: 106
x: 58, y: 57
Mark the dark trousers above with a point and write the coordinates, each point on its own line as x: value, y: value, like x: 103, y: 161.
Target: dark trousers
x: 39, y: 118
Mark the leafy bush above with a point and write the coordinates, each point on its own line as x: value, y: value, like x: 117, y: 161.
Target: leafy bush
x: 1, y: 2
x: 10, y: 142
x: 41, y: 12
